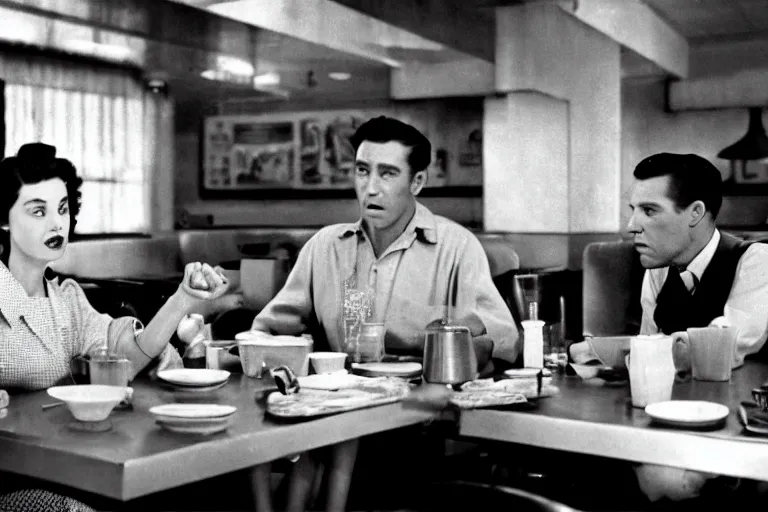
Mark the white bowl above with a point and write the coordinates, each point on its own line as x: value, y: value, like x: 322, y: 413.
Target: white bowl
x: 327, y: 362
x: 586, y: 371
x: 610, y: 349
x: 90, y: 402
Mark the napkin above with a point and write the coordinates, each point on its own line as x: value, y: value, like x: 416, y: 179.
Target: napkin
x: 485, y: 398
x: 4, y: 399
x: 330, y: 381
x: 528, y: 387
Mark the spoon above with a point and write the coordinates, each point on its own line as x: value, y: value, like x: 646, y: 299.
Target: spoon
x: 743, y: 415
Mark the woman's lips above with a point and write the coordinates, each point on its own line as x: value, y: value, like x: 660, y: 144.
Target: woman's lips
x: 55, y: 242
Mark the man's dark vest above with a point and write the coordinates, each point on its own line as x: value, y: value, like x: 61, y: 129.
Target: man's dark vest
x: 677, y: 309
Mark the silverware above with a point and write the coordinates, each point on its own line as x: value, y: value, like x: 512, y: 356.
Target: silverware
x: 743, y: 415
x: 52, y: 405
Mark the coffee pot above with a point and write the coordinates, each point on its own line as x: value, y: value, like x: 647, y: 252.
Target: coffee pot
x: 449, y: 355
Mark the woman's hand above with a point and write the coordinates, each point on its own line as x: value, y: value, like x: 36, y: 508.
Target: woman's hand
x: 201, y: 281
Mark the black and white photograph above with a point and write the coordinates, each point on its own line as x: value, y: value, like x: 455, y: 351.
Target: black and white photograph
x: 383, y: 256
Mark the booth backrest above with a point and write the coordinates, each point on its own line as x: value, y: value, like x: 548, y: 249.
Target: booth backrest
x: 122, y: 257
x: 501, y: 253
x: 218, y: 246
x: 613, y: 279
x: 269, y: 250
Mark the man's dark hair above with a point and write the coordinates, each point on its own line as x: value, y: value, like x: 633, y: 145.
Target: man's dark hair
x: 691, y: 178
x: 385, y: 129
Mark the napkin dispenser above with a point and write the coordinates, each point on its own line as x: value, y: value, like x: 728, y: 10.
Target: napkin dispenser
x: 449, y: 356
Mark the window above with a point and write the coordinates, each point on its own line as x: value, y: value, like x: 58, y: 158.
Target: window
x: 108, y: 137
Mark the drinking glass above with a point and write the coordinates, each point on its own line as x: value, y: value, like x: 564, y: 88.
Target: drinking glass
x: 555, y: 354
x: 527, y: 292
x: 357, y: 310
x: 111, y: 371
x: 370, y: 345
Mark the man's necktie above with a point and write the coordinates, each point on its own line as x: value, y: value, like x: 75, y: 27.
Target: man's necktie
x: 689, y: 280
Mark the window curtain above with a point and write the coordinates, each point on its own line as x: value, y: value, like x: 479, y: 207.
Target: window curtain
x: 100, y: 118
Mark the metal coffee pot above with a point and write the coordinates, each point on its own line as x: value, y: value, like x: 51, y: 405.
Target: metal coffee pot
x: 449, y: 356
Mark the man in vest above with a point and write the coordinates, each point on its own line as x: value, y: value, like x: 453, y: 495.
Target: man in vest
x: 694, y: 274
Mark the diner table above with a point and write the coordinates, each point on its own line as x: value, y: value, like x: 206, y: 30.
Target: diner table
x: 136, y: 457
x: 589, y: 418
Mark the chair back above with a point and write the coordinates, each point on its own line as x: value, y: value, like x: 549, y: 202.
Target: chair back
x: 613, y: 278
x: 504, y: 263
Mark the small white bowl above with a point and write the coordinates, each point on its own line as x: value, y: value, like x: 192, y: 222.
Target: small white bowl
x: 327, y: 362
x: 90, y: 402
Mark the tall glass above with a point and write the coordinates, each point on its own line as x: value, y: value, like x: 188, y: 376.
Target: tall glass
x: 555, y: 354
x: 370, y: 346
x: 357, y: 310
x: 526, y: 293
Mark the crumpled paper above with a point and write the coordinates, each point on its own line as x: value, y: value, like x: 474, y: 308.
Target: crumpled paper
x: 482, y: 393
x: 487, y: 392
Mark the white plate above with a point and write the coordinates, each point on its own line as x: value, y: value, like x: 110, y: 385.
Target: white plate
x: 192, y: 410
x: 170, y: 420
x: 202, y: 428
x: 687, y: 413
x: 387, y: 369
x: 526, y: 373
x: 194, y: 376
x: 195, y: 389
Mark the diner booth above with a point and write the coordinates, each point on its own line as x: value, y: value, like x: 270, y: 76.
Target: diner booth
x: 218, y: 132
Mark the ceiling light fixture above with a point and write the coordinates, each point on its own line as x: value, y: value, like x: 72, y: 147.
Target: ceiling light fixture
x: 339, y: 75
x: 752, y: 146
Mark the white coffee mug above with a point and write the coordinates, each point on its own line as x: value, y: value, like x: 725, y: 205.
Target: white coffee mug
x: 651, y: 369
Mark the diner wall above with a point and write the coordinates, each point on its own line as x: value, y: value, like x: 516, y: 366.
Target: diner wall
x: 445, y: 121
x: 647, y: 129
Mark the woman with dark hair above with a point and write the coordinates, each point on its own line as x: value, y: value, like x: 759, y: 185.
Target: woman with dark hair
x: 44, y: 323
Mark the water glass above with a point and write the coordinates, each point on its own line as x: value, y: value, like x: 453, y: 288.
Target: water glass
x: 555, y: 350
x: 527, y: 292
x: 110, y: 371
x: 357, y: 309
x: 370, y: 345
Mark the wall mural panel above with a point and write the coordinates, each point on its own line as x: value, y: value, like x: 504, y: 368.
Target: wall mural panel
x: 308, y: 154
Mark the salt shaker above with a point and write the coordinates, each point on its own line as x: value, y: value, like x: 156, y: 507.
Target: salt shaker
x: 533, y: 338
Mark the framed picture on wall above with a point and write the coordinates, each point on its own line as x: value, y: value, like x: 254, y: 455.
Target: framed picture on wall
x: 303, y: 155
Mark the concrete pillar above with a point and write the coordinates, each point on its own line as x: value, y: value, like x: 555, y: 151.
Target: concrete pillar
x: 552, y: 138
